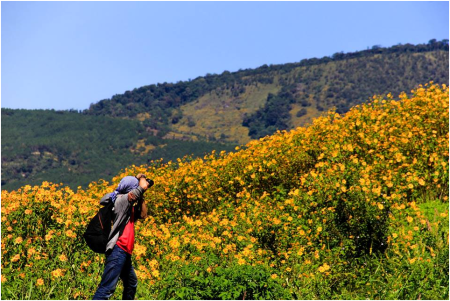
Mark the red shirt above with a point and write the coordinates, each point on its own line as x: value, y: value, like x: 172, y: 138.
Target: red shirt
x: 126, y: 240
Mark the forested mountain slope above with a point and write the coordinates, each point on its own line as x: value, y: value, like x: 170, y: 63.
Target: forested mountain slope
x: 71, y: 148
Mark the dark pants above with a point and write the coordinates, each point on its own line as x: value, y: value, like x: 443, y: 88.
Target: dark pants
x: 118, y: 264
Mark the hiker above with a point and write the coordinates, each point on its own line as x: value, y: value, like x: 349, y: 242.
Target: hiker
x: 128, y: 207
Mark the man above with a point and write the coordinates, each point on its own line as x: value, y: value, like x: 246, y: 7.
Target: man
x: 128, y: 207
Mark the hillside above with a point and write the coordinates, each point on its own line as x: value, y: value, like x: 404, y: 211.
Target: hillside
x: 212, y: 112
x: 353, y: 206
x: 70, y: 148
x: 248, y: 104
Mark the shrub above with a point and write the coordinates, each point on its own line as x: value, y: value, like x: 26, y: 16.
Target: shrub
x: 351, y: 207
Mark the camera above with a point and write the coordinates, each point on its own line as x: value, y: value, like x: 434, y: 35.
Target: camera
x: 150, y: 182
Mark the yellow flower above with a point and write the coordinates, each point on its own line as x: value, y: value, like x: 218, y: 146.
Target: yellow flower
x: 173, y: 258
x: 15, y: 258
x: 69, y: 233
x: 31, y: 251
x: 380, y: 206
x: 241, y: 261
x: 153, y: 263
x: 324, y: 267
x: 3, y: 278
x: 394, y: 235
x: 40, y: 282
x: 174, y: 243
x: 57, y: 273
x: 63, y: 257
x: 319, y: 229
x: 247, y: 252
x: 274, y: 276
x: 28, y: 211
x: 18, y: 240
x: 155, y: 273
x: 409, y: 219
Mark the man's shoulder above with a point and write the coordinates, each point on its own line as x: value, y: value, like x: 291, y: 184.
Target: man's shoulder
x: 121, y: 201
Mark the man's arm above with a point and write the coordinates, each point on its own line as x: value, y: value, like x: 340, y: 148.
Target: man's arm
x: 142, y: 209
x: 137, y: 193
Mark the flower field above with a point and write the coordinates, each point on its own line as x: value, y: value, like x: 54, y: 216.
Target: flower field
x: 350, y: 207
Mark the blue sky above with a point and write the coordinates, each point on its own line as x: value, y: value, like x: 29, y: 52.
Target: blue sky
x: 67, y: 55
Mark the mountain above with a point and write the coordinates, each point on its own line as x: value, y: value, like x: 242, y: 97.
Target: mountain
x: 252, y: 103
x: 217, y: 112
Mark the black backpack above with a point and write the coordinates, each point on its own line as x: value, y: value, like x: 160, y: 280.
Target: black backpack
x: 99, y: 228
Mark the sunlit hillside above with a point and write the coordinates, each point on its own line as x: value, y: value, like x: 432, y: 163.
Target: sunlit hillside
x: 353, y: 206
x: 304, y: 93
x: 252, y: 103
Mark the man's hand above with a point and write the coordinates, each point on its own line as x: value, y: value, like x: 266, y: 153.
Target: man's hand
x: 143, y: 183
x: 131, y: 197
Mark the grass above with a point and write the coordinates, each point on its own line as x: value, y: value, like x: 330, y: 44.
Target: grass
x: 219, y: 114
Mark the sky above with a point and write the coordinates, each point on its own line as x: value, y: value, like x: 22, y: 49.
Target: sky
x: 68, y: 55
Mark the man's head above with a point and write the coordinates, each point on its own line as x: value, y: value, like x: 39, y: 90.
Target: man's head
x: 127, y: 184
